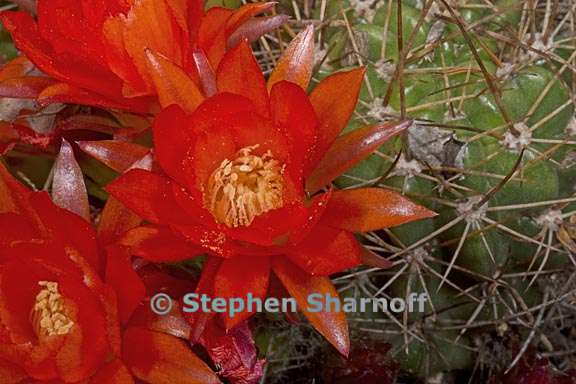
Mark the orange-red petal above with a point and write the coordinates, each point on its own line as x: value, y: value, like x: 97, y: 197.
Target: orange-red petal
x: 11, y: 373
x: 372, y: 259
x: 297, y: 61
x: 149, y: 195
x: 350, y: 149
x: 13, y: 195
x: 150, y: 25
x: 331, y: 324
x: 173, y: 85
x: 292, y: 111
x: 172, y: 323
x: 27, y: 38
x: 66, y: 227
x: 66, y: 93
x: 206, y: 73
x: 118, y: 155
x: 114, y: 372
x: 172, y: 140
x: 18, y: 67
x: 255, y: 28
x: 239, y: 276
x: 370, y: 209
x: 217, y: 110
x: 158, y: 358
x: 326, y: 251
x: 240, y: 74
x: 15, y: 228
x: 122, y: 277
x: 158, y: 244
x: 24, y: 87
x: 212, y: 34
x: 245, y: 13
x: 115, y: 220
x: 117, y: 57
x: 334, y: 101
x: 199, y: 320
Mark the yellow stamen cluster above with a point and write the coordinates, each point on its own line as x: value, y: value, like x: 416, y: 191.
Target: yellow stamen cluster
x: 48, y: 315
x: 239, y: 190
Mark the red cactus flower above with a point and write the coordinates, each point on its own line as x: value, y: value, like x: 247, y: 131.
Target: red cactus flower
x: 243, y: 179
x: 63, y: 318
x: 56, y: 315
x: 95, y: 51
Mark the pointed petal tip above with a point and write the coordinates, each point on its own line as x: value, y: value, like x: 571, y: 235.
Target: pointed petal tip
x: 397, y: 125
x: 68, y: 186
x: 172, y: 83
x: 345, y: 351
x: 232, y: 322
x: 308, y: 34
x: 341, y: 342
x: 259, y: 7
x: 370, y: 209
x: 423, y: 212
x: 361, y: 71
x: 229, y: 323
x: 297, y: 61
x: 266, y: 6
x: 393, y: 128
x: 256, y: 28
x: 333, y: 325
x: 349, y: 149
x: 372, y: 259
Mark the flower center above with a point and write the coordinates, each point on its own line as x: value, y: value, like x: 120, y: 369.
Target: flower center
x: 239, y: 190
x: 48, y: 315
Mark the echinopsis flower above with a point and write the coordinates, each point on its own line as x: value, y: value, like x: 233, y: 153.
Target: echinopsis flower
x: 74, y: 312
x: 95, y: 52
x: 56, y: 315
x: 245, y: 178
